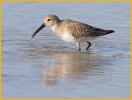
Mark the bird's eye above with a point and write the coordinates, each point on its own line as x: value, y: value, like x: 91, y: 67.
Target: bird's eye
x: 48, y: 20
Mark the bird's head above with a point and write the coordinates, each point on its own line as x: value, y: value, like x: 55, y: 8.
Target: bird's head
x: 49, y: 20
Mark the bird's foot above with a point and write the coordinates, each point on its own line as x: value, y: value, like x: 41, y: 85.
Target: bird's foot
x: 89, y: 45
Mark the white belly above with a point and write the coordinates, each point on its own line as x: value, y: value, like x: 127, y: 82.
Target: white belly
x: 67, y: 37
x: 83, y: 39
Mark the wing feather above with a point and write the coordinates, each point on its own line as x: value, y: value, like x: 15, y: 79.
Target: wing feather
x: 83, y: 30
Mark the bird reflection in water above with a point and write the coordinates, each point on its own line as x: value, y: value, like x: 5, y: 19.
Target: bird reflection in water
x: 72, y: 65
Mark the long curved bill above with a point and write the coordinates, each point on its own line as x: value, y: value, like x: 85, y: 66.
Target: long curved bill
x: 40, y: 28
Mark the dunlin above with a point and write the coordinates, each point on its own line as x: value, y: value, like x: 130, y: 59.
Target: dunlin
x: 72, y: 31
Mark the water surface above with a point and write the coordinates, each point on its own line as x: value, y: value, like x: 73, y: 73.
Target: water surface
x: 49, y: 67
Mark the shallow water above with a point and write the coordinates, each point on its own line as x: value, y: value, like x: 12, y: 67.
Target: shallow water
x: 49, y: 67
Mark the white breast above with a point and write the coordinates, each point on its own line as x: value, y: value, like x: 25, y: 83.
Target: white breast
x: 63, y: 34
x: 66, y: 36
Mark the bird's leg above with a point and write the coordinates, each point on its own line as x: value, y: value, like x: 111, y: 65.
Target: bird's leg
x: 78, y: 46
x: 89, y: 44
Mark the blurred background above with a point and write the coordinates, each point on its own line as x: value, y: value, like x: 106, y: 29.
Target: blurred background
x: 46, y: 66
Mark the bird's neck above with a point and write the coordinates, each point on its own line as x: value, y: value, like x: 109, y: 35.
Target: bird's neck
x: 57, y: 29
x: 55, y: 26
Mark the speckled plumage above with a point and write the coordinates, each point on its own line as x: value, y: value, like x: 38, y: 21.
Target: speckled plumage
x: 74, y: 31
